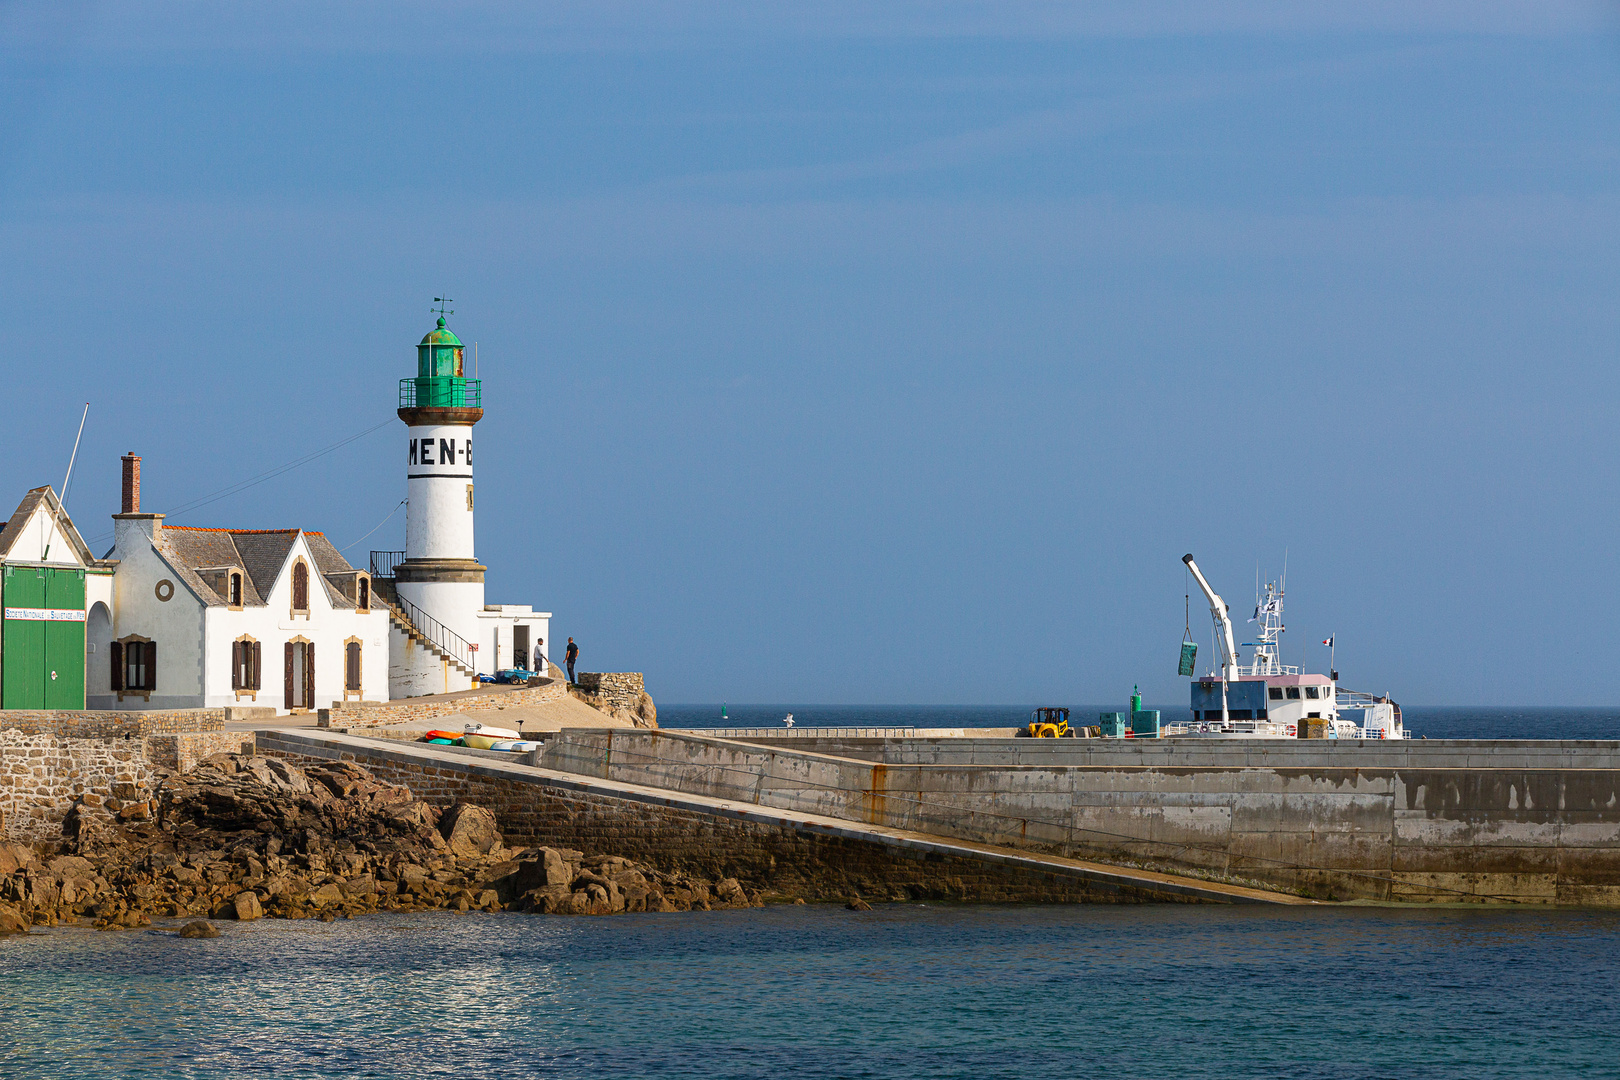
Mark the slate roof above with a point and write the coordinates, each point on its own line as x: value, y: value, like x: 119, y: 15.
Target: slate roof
x: 262, y: 553
x: 25, y: 510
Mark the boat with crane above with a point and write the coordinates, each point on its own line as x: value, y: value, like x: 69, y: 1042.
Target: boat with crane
x: 1267, y: 699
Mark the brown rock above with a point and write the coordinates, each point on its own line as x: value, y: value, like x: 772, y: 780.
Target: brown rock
x: 730, y: 891
x: 13, y: 921
x: 326, y: 895
x: 199, y: 929
x: 858, y: 904
x: 469, y: 830
x: 248, y: 907
x: 14, y: 857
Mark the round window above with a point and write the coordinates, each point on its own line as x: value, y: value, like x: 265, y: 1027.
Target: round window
x: 164, y: 590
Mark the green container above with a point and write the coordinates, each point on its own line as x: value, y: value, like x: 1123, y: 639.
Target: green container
x: 1145, y: 723
x: 1113, y: 724
x: 1189, y: 654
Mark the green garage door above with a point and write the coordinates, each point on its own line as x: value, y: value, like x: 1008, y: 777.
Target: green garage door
x: 42, y: 639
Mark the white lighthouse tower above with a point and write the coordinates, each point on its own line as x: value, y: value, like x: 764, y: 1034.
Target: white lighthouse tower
x: 440, y: 585
x: 443, y: 633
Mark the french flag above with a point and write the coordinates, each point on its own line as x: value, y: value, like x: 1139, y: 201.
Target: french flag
x: 1328, y: 643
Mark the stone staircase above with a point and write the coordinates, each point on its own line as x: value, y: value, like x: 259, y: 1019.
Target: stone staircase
x: 385, y: 595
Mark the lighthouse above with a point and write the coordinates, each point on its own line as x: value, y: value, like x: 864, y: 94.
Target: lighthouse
x: 441, y: 582
x: 442, y: 633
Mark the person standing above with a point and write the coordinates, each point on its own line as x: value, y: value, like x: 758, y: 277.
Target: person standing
x: 572, y: 655
x: 540, y: 665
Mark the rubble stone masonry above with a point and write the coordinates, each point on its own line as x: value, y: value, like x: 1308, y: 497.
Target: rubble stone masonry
x: 43, y: 776
x: 610, y: 690
x: 108, y: 724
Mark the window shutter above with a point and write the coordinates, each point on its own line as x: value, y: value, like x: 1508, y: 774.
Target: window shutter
x: 236, y: 665
x: 290, y: 648
x: 117, y: 654
x: 309, y: 676
x: 151, y: 667
x: 253, y: 682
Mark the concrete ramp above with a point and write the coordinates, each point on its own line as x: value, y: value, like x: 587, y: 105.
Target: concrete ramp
x: 520, y: 792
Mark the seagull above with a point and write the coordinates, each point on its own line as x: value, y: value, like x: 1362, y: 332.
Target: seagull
x: 788, y: 720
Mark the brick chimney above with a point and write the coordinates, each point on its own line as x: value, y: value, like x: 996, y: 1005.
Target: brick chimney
x: 131, y: 517
x: 132, y: 484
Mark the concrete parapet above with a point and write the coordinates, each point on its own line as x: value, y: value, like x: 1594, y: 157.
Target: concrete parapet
x: 791, y: 853
x: 1515, y: 821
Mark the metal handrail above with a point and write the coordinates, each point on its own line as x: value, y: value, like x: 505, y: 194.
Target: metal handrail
x: 383, y: 563
x: 444, y: 391
x: 441, y: 636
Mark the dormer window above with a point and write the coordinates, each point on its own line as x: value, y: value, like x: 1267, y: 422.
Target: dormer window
x: 363, y: 602
x: 234, y: 594
x: 300, y: 588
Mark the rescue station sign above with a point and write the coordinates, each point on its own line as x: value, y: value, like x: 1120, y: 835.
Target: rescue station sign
x: 44, y: 614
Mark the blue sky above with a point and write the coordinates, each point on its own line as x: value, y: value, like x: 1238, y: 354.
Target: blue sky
x: 865, y: 353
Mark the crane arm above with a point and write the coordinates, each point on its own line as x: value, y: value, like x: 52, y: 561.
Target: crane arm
x: 1217, y: 608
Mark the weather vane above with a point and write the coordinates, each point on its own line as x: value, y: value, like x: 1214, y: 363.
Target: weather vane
x: 441, y: 309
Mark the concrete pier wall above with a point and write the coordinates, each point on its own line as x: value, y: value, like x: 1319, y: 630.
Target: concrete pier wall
x: 784, y: 854
x: 1431, y: 821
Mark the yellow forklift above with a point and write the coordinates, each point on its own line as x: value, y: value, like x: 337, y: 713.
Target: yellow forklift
x: 1050, y: 722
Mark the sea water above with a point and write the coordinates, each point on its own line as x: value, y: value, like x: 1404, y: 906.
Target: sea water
x: 806, y: 992
x: 1434, y: 722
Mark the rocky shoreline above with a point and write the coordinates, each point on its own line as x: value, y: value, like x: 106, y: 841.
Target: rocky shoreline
x: 243, y: 837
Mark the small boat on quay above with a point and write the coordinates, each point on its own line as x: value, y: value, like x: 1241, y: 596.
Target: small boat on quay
x: 1267, y: 699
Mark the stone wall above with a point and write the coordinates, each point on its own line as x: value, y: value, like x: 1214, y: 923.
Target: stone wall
x: 182, y: 752
x: 612, y: 689
x: 411, y: 710
x: 1475, y: 821
x: 42, y: 776
x: 109, y: 724
x: 776, y: 858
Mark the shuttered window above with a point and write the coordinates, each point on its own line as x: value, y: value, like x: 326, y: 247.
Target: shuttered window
x: 300, y: 587
x: 245, y: 665
x: 139, y: 667
x: 351, y: 667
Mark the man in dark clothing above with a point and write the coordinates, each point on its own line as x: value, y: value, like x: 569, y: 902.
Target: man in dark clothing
x: 572, y: 655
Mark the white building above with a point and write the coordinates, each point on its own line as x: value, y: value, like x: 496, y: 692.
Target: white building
x: 208, y: 617
x: 443, y: 633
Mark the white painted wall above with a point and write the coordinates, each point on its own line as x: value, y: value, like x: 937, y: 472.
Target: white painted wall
x: 194, y: 640
x: 176, y: 625
x: 497, y: 626
x: 43, y: 541
x: 438, y: 521
x: 414, y: 670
